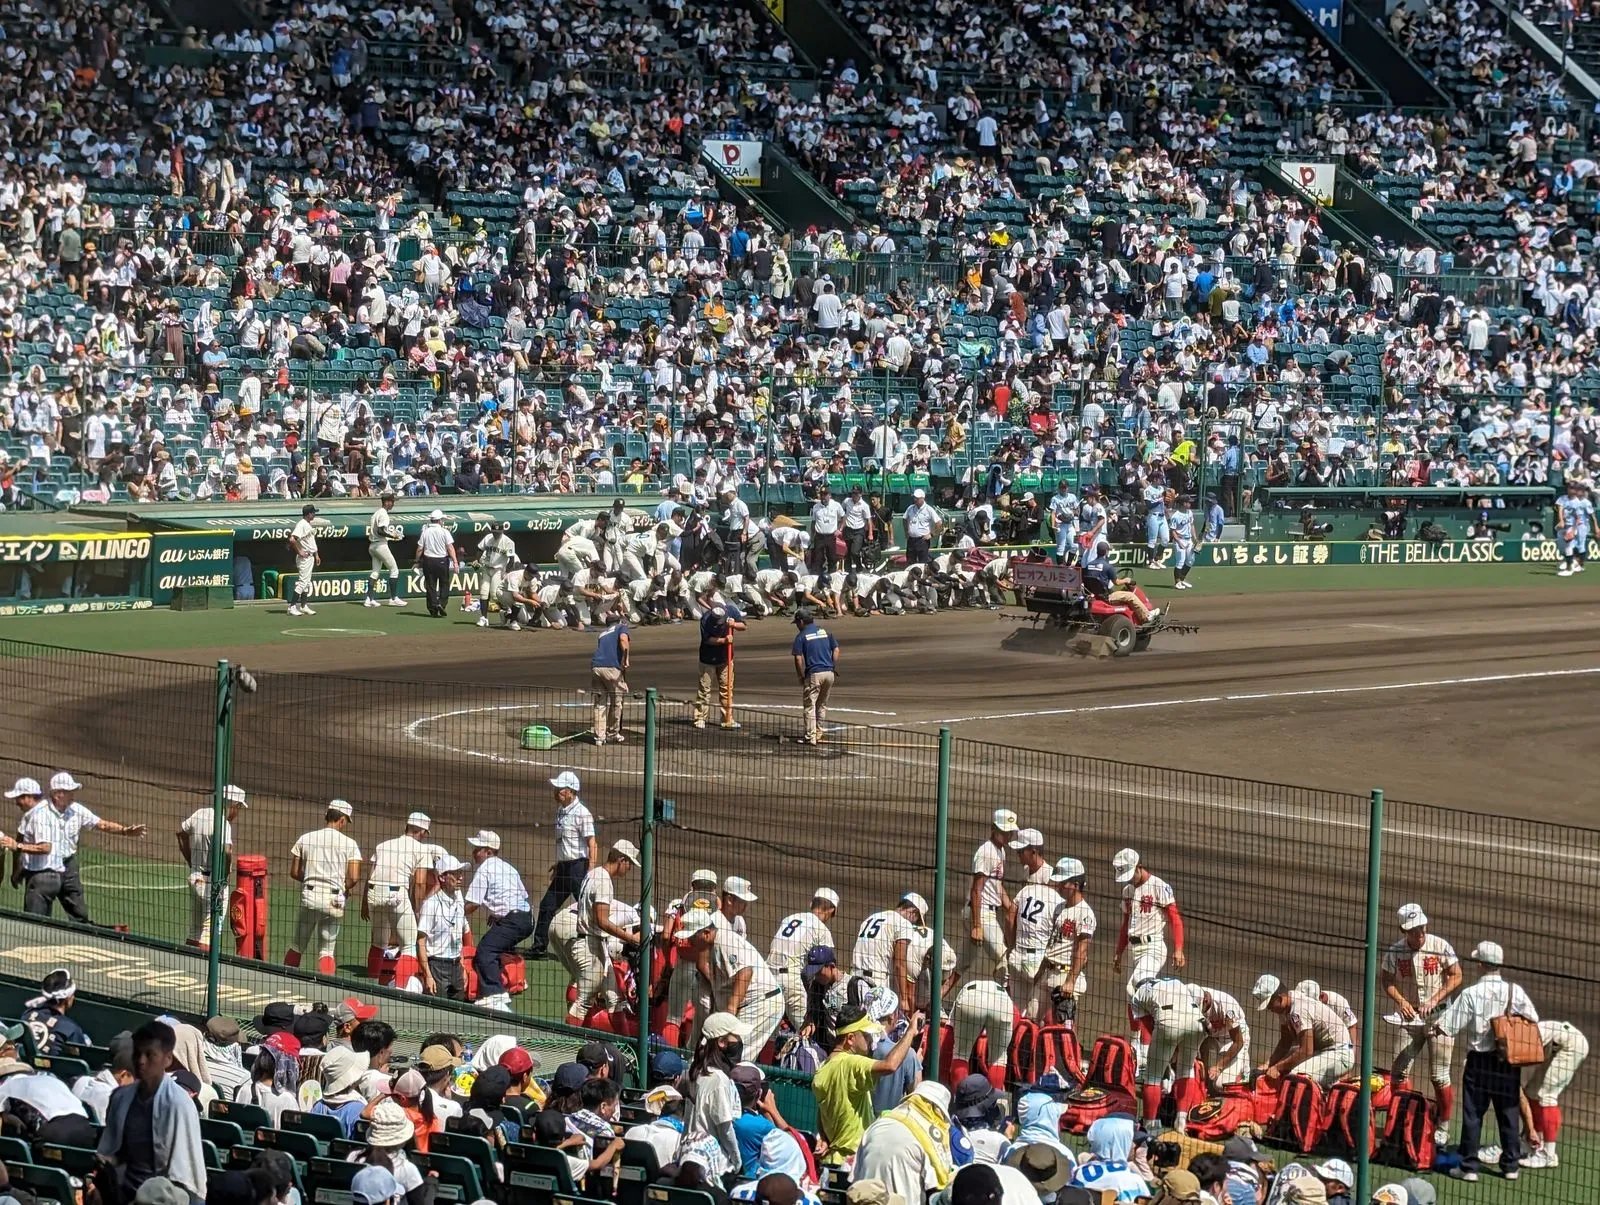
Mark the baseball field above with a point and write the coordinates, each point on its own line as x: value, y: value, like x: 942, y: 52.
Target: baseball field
x: 1239, y: 760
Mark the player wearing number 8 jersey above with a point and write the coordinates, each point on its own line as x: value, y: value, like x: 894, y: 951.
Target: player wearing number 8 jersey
x: 882, y: 953
x: 1062, y: 981
x: 797, y: 935
x: 1419, y: 973
x: 986, y: 943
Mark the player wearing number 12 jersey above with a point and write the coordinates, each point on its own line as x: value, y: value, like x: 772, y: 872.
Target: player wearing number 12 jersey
x: 794, y: 940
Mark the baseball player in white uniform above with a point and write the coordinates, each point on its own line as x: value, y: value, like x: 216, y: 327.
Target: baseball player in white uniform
x: 737, y: 896
x: 1312, y: 1041
x: 1565, y: 1048
x: 741, y: 981
x: 796, y: 935
x: 986, y: 899
x: 1226, y: 1048
x: 327, y: 865
x: 194, y: 842
x: 397, y: 884
x: 576, y: 552
x: 1030, y: 922
x: 882, y: 951
x: 1166, y: 1012
x: 303, y: 542
x: 686, y: 987
x: 919, y: 952
x: 497, y: 553
x: 1419, y: 974
x: 1148, y: 907
x: 597, y: 899
x: 982, y: 1007
x: 1061, y: 982
x: 1340, y: 1006
x: 382, y: 528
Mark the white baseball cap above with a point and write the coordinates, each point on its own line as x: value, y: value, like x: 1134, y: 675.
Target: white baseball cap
x: 627, y: 849
x: 342, y: 806
x: 419, y: 820
x: 919, y: 495
x: 1124, y: 862
x: 1265, y: 989
x: 723, y: 1025
x: 25, y: 786
x: 1412, y: 917
x: 566, y: 781
x: 485, y: 838
x: 448, y: 864
x: 1308, y: 987
x: 825, y: 893
x: 696, y: 920
x: 704, y: 876
x: 436, y: 515
x: 64, y: 782
x: 1067, y: 869
x: 917, y: 902
x: 1489, y: 954
x: 1005, y: 820
x: 1027, y: 838
x: 233, y: 794
x: 739, y: 889
x: 1338, y: 1170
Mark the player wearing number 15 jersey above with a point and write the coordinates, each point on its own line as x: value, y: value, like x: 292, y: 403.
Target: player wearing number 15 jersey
x: 793, y: 941
x: 882, y: 953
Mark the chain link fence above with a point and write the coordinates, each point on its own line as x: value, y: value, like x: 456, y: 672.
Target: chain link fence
x: 1269, y: 878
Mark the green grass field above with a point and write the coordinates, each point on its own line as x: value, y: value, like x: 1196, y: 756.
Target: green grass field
x: 266, y: 622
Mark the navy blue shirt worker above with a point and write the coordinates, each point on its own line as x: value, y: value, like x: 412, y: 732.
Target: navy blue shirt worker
x: 607, y: 666
x: 717, y: 626
x: 816, y: 654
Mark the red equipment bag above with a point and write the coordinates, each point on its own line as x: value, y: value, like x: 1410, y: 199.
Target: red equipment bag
x: 1112, y: 1064
x: 1022, y: 1059
x: 1302, y: 1115
x: 1408, y: 1133
x: 1267, y: 1094
x: 1092, y: 1102
x: 1343, y: 1114
x: 1059, y: 1052
x: 1219, y: 1117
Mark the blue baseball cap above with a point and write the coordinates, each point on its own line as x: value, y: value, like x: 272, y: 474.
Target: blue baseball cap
x: 666, y: 1065
x: 821, y: 956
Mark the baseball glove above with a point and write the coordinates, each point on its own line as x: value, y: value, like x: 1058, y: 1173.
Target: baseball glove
x: 394, y: 531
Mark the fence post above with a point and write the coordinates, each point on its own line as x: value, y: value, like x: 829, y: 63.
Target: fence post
x: 940, y: 866
x: 221, y: 755
x: 1369, y: 997
x: 647, y: 883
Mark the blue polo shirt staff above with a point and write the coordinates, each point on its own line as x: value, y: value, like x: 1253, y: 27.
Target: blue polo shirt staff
x: 609, y: 663
x: 816, y: 653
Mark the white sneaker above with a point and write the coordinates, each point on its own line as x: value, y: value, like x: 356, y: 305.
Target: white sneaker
x: 306, y: 611
x: 515, y: 626
x: 294, y: 610
x: 1579, y: 567
x: 618, y: 739
x: 1540, y: 1159
x: 372, y: 602
x: 1563, y: 573
x: 397, y: 602
x: 483, y: 621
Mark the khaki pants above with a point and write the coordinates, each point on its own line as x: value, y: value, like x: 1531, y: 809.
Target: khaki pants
x: 609, y: 691
x: 814, y: 702
x: 1174, y: 1044
x: 593, y: 974
x: 1550, y: 1079
x: 983, y: 959
x: 761, y: 1011
x: 316, y: 929
x: 199, y: 909
x: 714, y: 680
x: 1132, y: 599
x: 794, y: 994
x: 394, y: 924
x: 981, y: 1007
x: 1408, y: 1049
x: 1328, y: 1066
x: 382, y: 561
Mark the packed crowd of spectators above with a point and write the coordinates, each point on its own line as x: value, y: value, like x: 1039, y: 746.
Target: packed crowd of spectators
x: 478, y: 249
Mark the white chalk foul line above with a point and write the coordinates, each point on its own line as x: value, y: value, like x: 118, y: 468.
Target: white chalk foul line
x: 414, y: 731
x: 1256, y: 696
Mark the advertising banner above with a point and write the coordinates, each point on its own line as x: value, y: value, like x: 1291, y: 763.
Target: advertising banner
x: 1314, y: 178
x: 184, y: 560
x: 739, y: 160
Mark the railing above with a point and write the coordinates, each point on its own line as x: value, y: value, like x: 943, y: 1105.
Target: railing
x: 1291, y: 887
